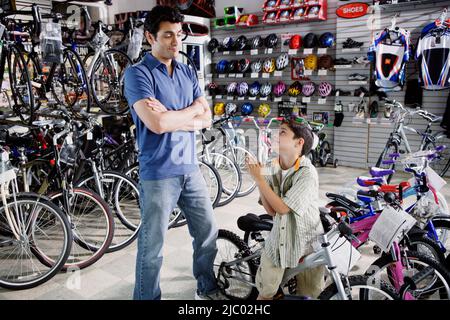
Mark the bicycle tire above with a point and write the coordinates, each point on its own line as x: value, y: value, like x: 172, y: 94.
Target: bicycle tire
x: 324, y: 153
x: 441, y: 167
x: 35, y: 250
x: 416, y: 241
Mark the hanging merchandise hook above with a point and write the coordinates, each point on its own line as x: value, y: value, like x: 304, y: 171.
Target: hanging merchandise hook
x: 394, y: 21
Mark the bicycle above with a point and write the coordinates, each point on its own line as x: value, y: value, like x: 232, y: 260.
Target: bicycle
x: 322, y: 153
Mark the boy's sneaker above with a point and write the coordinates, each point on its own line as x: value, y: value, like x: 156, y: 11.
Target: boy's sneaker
x: 211, y: 296
x: 350, y: 43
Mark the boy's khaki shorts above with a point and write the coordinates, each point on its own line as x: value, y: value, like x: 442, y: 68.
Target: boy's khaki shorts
x: 310, y: 283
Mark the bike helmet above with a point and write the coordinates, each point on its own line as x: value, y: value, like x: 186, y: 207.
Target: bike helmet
x: 311, y: 62
x: 254, y: 89
x: 240, y: 43
x: 231, y: 88
x: 265, y: 90
x: 228, y: 43
x: 230, y: 108
x: 252, y: 20
x: 233, y: 66
x: 295, y: 89
x: 257, y: 42
x: 271, y: 41
x: 295, y: 42
x: 269, y: 65
x: 256, y: 66
x: 297, y: 2
x: 219, y: 108
x: 325, y: 62
x: 313, y: 11
x: 222, y: 66
x: 243, y: 65
x: 263, y: 110
x: 246, y: 109
x: 327, y: 40
x: 308, y: 89
x: 325, y: 89
x: 271, y: 15
x: 212, y: 88
x: 285, y: 2
x: 300, y: 12
x: 282, y: 61
x: 271, y: 3
x: 310, y: 40
x: 285, y: 14
x: 242, y: 89
x: 213, y: 44
x: 279, y: 89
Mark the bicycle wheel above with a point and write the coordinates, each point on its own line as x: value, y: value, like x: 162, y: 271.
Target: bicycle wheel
x: 107, y: 82
x: 229, y: 173
x: 435, y: 284
x: 34, y: 71
x: 423, y: 244
x: 21, y: 88
x: 442, y: 163
x: 92, y: 226
x: 324, y: 153
x: 247, y: 184
x: 391, y: 147
x: 70, y: 86
x: 442, y: 227
x: 122, y: 195
x: 361, y: 288
x: 44, y: 231
x: 236, y: 281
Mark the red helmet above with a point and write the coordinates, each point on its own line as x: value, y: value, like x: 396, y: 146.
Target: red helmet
x: 252, y: 20
x: 295, y: 42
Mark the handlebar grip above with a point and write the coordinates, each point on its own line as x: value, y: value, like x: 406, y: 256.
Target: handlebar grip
x: 388, y: 162
x: 394, y: 155
x: 345, y: 229
x: 441, y: 148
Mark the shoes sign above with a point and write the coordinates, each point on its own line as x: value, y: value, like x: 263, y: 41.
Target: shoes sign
x: 352, y: 10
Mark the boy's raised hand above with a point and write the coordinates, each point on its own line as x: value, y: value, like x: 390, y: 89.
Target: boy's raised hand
x: 254, y: 168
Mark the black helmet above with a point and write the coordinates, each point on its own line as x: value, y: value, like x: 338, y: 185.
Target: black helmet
x: 233, y: 66
x: 244, y: 64
x: 310, y: 40
x: 257, y: 42
x: 240, y: 43
x: 213, y: 44
x: 271, y: 41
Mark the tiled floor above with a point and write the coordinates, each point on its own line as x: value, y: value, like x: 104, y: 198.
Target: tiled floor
x: 112, y: 277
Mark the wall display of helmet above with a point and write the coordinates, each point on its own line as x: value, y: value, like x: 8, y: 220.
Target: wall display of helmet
x: 222, y: 66
x: 230, y: 108
x: 297, y: 69
x: 253, y: 91
x: 231, y: 88
x: 298, y: 13
x: 270, y: 17
x: 246, y: 109
x: 311, y: 62
x: 298, y: 10
x: 244, y: 65
x: 270, y: 5
x: 285, y: 2
x: 228, y: 43
x: 325, y: 62
x: 264, y: 110
x: 310, y: 40
x: 232, y: 66
x: 265, y: 90
x: 219, y: 108
x: 327, y: 40
x: 256, y: 42
x: 271, y: 41
x: 295, y: 42
x: 308, y: 89
x: 279, y: 89
x: 212, y: 88
x: 325, y: 89
x: 256, y: 66
x: 242, y: 89
x: 269, y: 65
x: 313, y: 11
x: 240, y: 43
x: 284, y: 15
x: 295, y: 89
x: 282, y: 61
x: 248, y: 20
x: 213, y: 45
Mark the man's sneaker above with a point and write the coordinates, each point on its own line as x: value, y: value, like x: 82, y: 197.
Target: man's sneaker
x: 357, y: 77
x: 361, y: 60
x: 342, y: 61
x: 211, y: 296
x: 350, y: 43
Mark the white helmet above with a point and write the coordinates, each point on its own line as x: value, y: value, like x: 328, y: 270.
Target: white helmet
x: 282, y: 61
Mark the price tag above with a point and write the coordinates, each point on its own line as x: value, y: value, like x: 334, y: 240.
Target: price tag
x: 241, y: 98
x: 323, y: 72
x: 69, y: 139
x: 254, y: 75
x: 219, y: 96
x: 277, y: 99
x: 292, y: 51
x: 322, y: 51
x: 278, y: 73
x: 269, y: 51
x: 239, y: 75
x: 89, y: 136
x: 208, y: 97
x: 306, y: 99
x: 230, y: 97
x: 308, y: 51
x: 252, y: 98
x: 265, y: 75
x: 293, y: 99
x: 239, y: 53
x: 232, y: 75
x: 254, y: 52
x: 263, y: 98
x: 322, y: 100
x: 225, y: 53
x: 221, y: 76
x: 209, y: 75
x: 308, y: 72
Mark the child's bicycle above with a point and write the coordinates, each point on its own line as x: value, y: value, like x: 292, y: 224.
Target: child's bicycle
x: 322, y: 152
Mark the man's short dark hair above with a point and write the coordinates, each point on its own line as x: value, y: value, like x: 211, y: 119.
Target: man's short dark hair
x: 161, y: 14
x: 301, y: 130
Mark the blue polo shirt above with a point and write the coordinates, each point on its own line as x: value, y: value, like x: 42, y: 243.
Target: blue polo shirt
x: 169, y: 154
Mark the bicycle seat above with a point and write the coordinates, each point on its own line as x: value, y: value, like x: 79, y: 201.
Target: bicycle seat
x: 251, y: 223
x: 379, y: 172
x: 366, y: 196
x: 369, y: 181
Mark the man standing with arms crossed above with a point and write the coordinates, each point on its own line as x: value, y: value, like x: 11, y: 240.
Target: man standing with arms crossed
x: 167, y: 106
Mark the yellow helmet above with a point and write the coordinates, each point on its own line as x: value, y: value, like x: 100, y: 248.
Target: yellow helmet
x: 269, y: 65
x: 264, y: 110
x: 219, y: 108
x: 311, y: 62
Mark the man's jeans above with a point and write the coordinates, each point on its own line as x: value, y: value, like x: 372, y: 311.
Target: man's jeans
x: 158, y: 198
